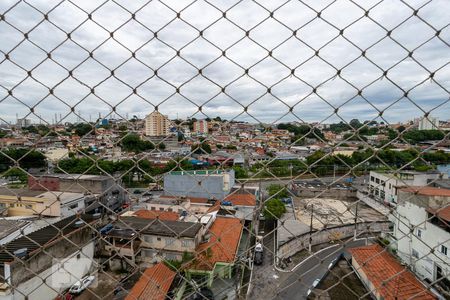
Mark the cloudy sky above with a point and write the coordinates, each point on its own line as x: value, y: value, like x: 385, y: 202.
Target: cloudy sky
x: 217, y: 41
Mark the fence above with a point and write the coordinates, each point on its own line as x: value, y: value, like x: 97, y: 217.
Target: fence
x: 148, y: 149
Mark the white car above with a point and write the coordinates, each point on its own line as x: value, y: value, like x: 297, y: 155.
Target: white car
x: 81, y: 285
x: 258, y: 247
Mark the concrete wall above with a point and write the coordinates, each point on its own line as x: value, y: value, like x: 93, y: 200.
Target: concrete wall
x: 56, y: 278
x: 340, y: 194
x: 326, y: 235
x: 410, y: 216
x: 60, y: 249
x: 203, y: 186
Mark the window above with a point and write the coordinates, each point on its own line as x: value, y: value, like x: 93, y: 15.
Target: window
x: 377, y: 180
x: 169, y: 241
x: 444, y: 250
x: 153, y: 208
x: 161, y: 208
x: 419, y: 233
x: 11, y: 205
x: 372, y: 178
x: 186, y: 243
x: 169, y: 209
x: 415, y: 254
x: 158, y: 239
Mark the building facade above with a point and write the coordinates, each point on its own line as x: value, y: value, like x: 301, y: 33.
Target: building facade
x: 422, y: 219
x: 157, y: 124
x: 384, y: 186
x: 215, y: 184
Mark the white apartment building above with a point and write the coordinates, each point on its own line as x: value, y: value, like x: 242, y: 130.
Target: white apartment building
x: 384, y: 186
x: 428, y: 123
x: 157, y: 124
x: 421, y: 223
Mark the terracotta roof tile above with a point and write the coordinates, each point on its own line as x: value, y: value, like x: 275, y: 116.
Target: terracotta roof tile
x: 242, y: 199
x: 427, y: 191
x: 154, y: 214
x: 154, y: 283
x: 442, y: 213
x: 224, y: 242
x: 390, y: 279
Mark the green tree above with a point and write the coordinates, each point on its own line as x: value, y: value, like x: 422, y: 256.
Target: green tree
x: 277, y: 190
x: 273, y: 209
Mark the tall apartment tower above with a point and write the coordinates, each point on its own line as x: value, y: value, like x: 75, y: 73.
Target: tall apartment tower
x: 157, y: 124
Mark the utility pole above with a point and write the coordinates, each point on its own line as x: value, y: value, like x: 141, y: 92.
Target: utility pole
x: 311, y: 227
x: 356, y: 219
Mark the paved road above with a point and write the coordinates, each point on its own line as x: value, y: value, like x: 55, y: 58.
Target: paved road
x: 298, y: 282
x: 265, y: 277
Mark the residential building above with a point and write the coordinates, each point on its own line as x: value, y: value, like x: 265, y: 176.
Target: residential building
x: 50, y: 204
x: 428, y: 123
x: 215, y: 184
x: 157, y: 238
x: 154, y: 283
x: 216, y: 258
x: 384, y: 185
x: 57, y: 255
x: 385, y: 277
x: 157, y: 124
x: 201, y: 127
x: 23, y: 122
x: 107, y: 190
x: 421, y: 223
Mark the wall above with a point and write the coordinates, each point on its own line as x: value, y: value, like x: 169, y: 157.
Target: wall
x: 340, y: 194
x: 57, y: 278
x: 203, y: 186
x: 43, y: 183
x: 151, y: 241
x: 409, y: 215
x: 326, y: 235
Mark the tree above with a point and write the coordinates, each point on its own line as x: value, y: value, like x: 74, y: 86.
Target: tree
x: 133, y: 143
x: 274, y: 209
x: 277, y: 190
x: 203, y: 148
x: 355, y: 123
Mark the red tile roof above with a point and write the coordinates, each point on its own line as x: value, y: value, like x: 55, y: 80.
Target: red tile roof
x: 154, y: 283
x: 442, y: 213
x: 427, y: 191
x: 242, y: 199
x: 154, y: 214
x: 225, y: 236
x: 390, y: 279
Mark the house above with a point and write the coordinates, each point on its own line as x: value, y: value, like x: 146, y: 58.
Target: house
x: 217, y: 256
x: 108, y: 189
x: 57, y: 255
x: 151, y: 240
x: 384, y: 185
x: 421, y: 223
x: 385, y: 277
x: 154, y: 283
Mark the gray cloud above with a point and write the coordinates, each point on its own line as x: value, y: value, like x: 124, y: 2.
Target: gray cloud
x: 291, y: 51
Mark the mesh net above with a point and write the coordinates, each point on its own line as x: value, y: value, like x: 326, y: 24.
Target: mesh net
x: 224, y: 149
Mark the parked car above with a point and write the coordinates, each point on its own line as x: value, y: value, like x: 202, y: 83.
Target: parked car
x: 259, y: 247
x: 258, y: 260
x: 81, y: 285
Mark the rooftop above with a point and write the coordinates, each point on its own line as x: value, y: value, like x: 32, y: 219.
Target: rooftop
x: 427, y: 191
x: 442, y: 213
x: 199, y: 172
x: 154, y: 283
x: 42, y: 237
x: 160, y: 227
x: 390, y: 279
x: 242, y: 199
x: 224, y: 242
x: 9, y: 226
x: 153, y: 214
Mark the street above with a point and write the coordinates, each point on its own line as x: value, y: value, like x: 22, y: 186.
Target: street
x: 303, y: 276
